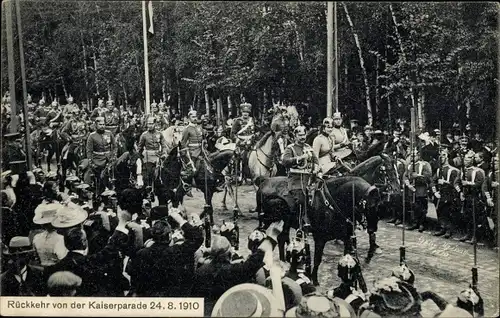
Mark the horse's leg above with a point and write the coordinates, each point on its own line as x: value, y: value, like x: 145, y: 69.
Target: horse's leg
x: 224, y: 206
x: 50, y: 154
x: 209, y: 193
x: 319, y: 246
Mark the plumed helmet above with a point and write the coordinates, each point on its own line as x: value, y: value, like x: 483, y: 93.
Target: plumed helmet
x: 404, y: 273
x: 229, y: 231
x: 100, y: 103
x: 41, y: 102
x: 110, y: 102
x: 295, y: 251
x: 470, y: 300
x: 255, y: 238
x: 70, y: 99
x: 246, y: 107
x: 328, y: 122
x: 192, y: 112
x: 54, y: 104
x: 300, y: 130
x: 29, y: 98
x: 348, y: 268
x: 394, y: 297
x: 469, y: 155
x: 161, y: 103
x: 154, y: 104
x: 337, y: 115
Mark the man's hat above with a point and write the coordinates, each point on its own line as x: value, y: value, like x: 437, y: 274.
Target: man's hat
x: 378, y: 132
x: 246, y: 107
x: 247, y: 300
x: 18, y: 167
x: 46, y: 213
x: 108, y: 193
x: 337, y: 115
x: 12, y: 136
x: 64, y: 280
x: 178, y: 237
x: 321, y: 306
x: 69, y: 215
x: 159, y: 212
x: 368, y: 127
x: 437, y: 131
x: 54, y: 104
x: 404, y: 273
x: 394, y: 297
x: 192, y: 112
x: 18, y: 245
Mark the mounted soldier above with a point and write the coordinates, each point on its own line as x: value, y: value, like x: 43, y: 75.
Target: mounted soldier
x: 280, y: 126
x: 242, y: 132
x: 192, y: 137
x: 99, y: 111
x: 490, y: 192
x: 31, y: 106
x: 54, y: 117
x: 323, y: 146
x: 340, y: 138
x: 70, y: 107
x: 152, y: 146
x: 42, y: 110
x: 111, y: 117
x: 101, y: 149
x: 303, y: 166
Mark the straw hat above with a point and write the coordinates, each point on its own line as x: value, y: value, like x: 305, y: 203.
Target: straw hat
x: 18, y: 245
x: 46, y: 213
x: 247, y: 300
x: 69, y: 215
x: 321, y: 306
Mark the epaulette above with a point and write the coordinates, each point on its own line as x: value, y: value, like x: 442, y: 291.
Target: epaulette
x: 290, y: 146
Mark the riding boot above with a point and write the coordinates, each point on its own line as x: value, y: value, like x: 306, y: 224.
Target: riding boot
x: 374, y: 248
x: 305, y: 219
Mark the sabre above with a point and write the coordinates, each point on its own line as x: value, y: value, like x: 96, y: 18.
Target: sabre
x: 412, y: 145
x: 474, y: 242
x: 361, y: 279
x: 402, y: 248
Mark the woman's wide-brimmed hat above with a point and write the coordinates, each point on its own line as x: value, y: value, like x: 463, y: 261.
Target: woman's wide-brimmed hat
x: 69, y: 215
x: 247, y: 300
x: 46, y: 213
x: 321, y: 306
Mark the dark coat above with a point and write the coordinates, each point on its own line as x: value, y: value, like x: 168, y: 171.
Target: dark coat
x: 213, y: 279
x: 166, y: 271
x: 34, y: 284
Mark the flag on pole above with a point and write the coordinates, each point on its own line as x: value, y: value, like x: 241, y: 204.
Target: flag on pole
x: 149, y: 17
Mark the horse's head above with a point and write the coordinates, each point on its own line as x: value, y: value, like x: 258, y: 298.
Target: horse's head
x: 388, y: 171
x: 222, y: 159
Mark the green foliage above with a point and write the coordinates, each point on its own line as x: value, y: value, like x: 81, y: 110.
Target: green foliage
x: 233, y: 48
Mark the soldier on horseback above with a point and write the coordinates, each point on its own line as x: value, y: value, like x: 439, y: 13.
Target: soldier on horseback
x: 70, y: 107
x: 99, y: 111
x: 111, y: 117
x: 73, y: 134
x: 100, y: 151
x: 192, y: 136
x: 54, y: 117
x: 340, y: 138
x: 242, y: 132
x: 152, y: 145
x: 303, y: 166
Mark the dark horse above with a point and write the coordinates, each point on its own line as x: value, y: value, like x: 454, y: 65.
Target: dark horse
x: 169, y: 185
x: 71, y: 159
x: 53, y: 143
x: 331, y: 210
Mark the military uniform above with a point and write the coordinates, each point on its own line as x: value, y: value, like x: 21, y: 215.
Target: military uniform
x: 192, y: 136
x: 420, y: 177
x: 111, y: 121
x: 242, y: 131
x: 151, y: 145
x: 100, y: 150
x: 490, y: 192
x: 99, y: 111
x: 70, y: 109
x: 447, y: 183
x: 73, y: 134
x: 473, y: 194
x: 54, y: 118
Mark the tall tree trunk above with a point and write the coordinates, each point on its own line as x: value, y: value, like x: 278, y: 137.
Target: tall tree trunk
x: 403, y: 54
x: 125, y: 97
x: 164, y: 88
x: 179, y: 98
x: 229, y: 106
x: 219, y: 110
x: 207, y: 103
x: 363, y: 69
x: 64, y: 88
x: 96, y: 73
x: 377, y: 99
x: 85, y: 68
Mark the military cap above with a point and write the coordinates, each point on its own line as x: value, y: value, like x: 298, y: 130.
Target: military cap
x: 246, y: 107
x: 159, y: 212
x: 300, y: 130
x: 368, y: 127
x: 108, y: 193
x: 12, y: 136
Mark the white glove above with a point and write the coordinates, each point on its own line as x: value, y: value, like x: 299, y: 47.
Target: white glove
x: 462, y: 196
x: 441, y: 181
x: 490, y: 202
x: 412, y: 188
x: 437, y: 195
x: 494, y: 184
x: 140, y: 181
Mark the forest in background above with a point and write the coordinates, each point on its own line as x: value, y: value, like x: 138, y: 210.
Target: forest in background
x: 439, y: 57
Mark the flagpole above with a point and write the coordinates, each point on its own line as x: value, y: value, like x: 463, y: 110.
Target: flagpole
x: 146, y: 63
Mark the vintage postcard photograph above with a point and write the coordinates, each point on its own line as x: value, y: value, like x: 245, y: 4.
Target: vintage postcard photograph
x: 249, y: 159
